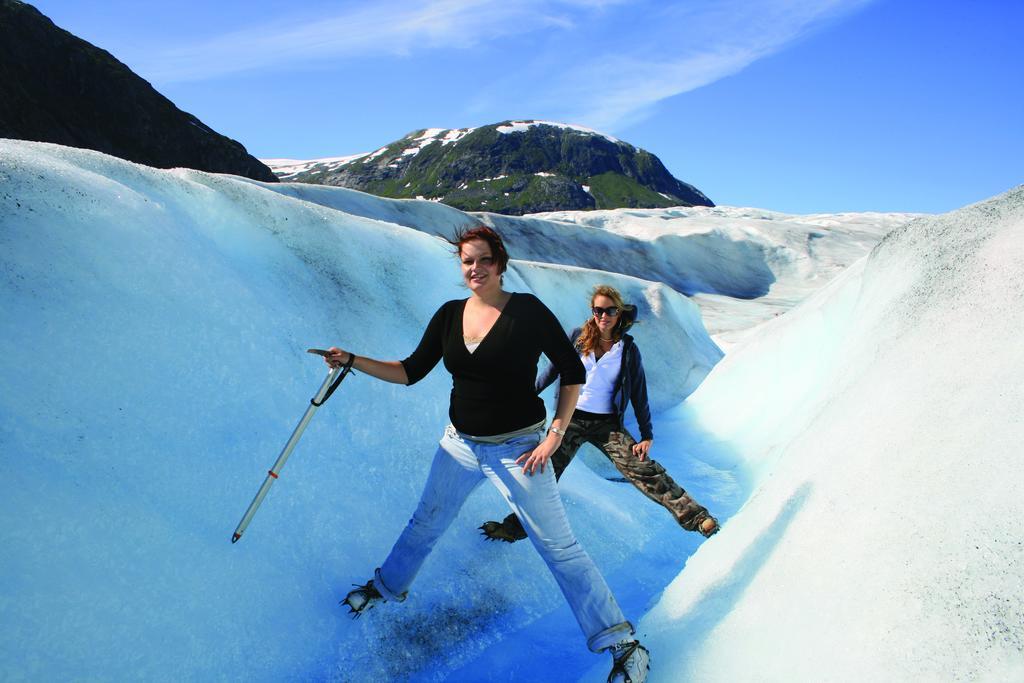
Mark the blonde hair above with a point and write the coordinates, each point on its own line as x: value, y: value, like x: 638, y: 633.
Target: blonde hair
x: 587, y: 341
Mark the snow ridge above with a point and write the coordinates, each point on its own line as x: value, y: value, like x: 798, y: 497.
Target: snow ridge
x: 887, y: 399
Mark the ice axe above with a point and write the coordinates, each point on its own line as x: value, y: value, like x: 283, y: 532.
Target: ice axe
x: 334, y: 378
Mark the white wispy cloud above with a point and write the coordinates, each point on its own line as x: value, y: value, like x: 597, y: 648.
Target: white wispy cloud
x: 609, y: 62
x: 388, y: 27
x: 680, y: 48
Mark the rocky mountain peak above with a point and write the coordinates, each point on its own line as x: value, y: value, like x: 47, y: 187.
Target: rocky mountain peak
x: 56, y: 87
x: 511, y: 167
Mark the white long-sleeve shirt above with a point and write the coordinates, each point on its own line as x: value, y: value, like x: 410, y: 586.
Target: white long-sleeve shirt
x: 596, y: 396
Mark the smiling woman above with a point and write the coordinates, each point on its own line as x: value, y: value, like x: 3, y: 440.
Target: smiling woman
x: 615, y: 378
x: 491, y: 343
x: 483, y: 257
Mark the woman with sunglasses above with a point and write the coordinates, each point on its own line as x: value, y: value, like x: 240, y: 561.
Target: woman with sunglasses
x: 491, y: 343
x: 615, y: 377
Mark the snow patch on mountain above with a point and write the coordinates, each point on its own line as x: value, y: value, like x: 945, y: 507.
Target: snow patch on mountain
x: 523, y: 126
x: 425, y: 138
x: 455, y: 135
x: 287, y: 168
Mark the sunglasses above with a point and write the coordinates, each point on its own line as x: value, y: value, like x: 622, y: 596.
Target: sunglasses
x: 611, y: 311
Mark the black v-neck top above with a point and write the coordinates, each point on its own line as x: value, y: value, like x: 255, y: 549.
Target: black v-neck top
x: 493, y: 387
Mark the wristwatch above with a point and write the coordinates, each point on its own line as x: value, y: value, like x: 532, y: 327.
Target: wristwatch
x: 556, y: 430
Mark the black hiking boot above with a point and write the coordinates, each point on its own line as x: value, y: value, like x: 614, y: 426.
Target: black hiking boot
x: 630, y: 662
x: 509, y: 530
x: 708, y: 527
x: 362, y: 598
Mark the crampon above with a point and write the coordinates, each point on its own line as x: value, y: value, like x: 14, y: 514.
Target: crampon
x: 362, y: 598
x: 509, y: 530
x: 631, y: 662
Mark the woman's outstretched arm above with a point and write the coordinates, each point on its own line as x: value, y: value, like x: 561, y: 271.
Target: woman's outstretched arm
x: 387, y: 370
x: 408, y: 371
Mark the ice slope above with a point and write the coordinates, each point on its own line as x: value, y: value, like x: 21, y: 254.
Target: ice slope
x: 880, y: 425
x: 432, y: 218
x: 795, y: 255
x: 717, y: 253
x: 152, y: 367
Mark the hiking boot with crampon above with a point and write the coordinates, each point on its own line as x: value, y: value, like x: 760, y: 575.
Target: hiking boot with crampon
x: 708, y: 527
x: 362, y: 598
x: 509, y: 530
x: 631, y: 662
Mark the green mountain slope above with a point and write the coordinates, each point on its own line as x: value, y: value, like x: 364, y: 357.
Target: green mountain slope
x: 509, y: 167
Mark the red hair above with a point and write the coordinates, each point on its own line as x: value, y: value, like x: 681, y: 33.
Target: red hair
x: 488, y: 235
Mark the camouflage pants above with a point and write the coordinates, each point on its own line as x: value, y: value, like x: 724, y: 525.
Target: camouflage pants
x: 646, y: 475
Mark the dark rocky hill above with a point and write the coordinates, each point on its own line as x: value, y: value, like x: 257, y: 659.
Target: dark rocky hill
x: 55, y: 87
x: 510, y: 168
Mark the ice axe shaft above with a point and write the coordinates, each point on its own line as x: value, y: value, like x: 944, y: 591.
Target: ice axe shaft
x: 334, y: 378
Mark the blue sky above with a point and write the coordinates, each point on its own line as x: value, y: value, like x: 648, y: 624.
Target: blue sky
x: 793, y: 105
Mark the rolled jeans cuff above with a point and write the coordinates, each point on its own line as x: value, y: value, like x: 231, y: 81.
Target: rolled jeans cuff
x: 378, y: 583
x: 610, y: 636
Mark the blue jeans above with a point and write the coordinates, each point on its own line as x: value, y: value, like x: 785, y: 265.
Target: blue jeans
x: 460, y: 464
